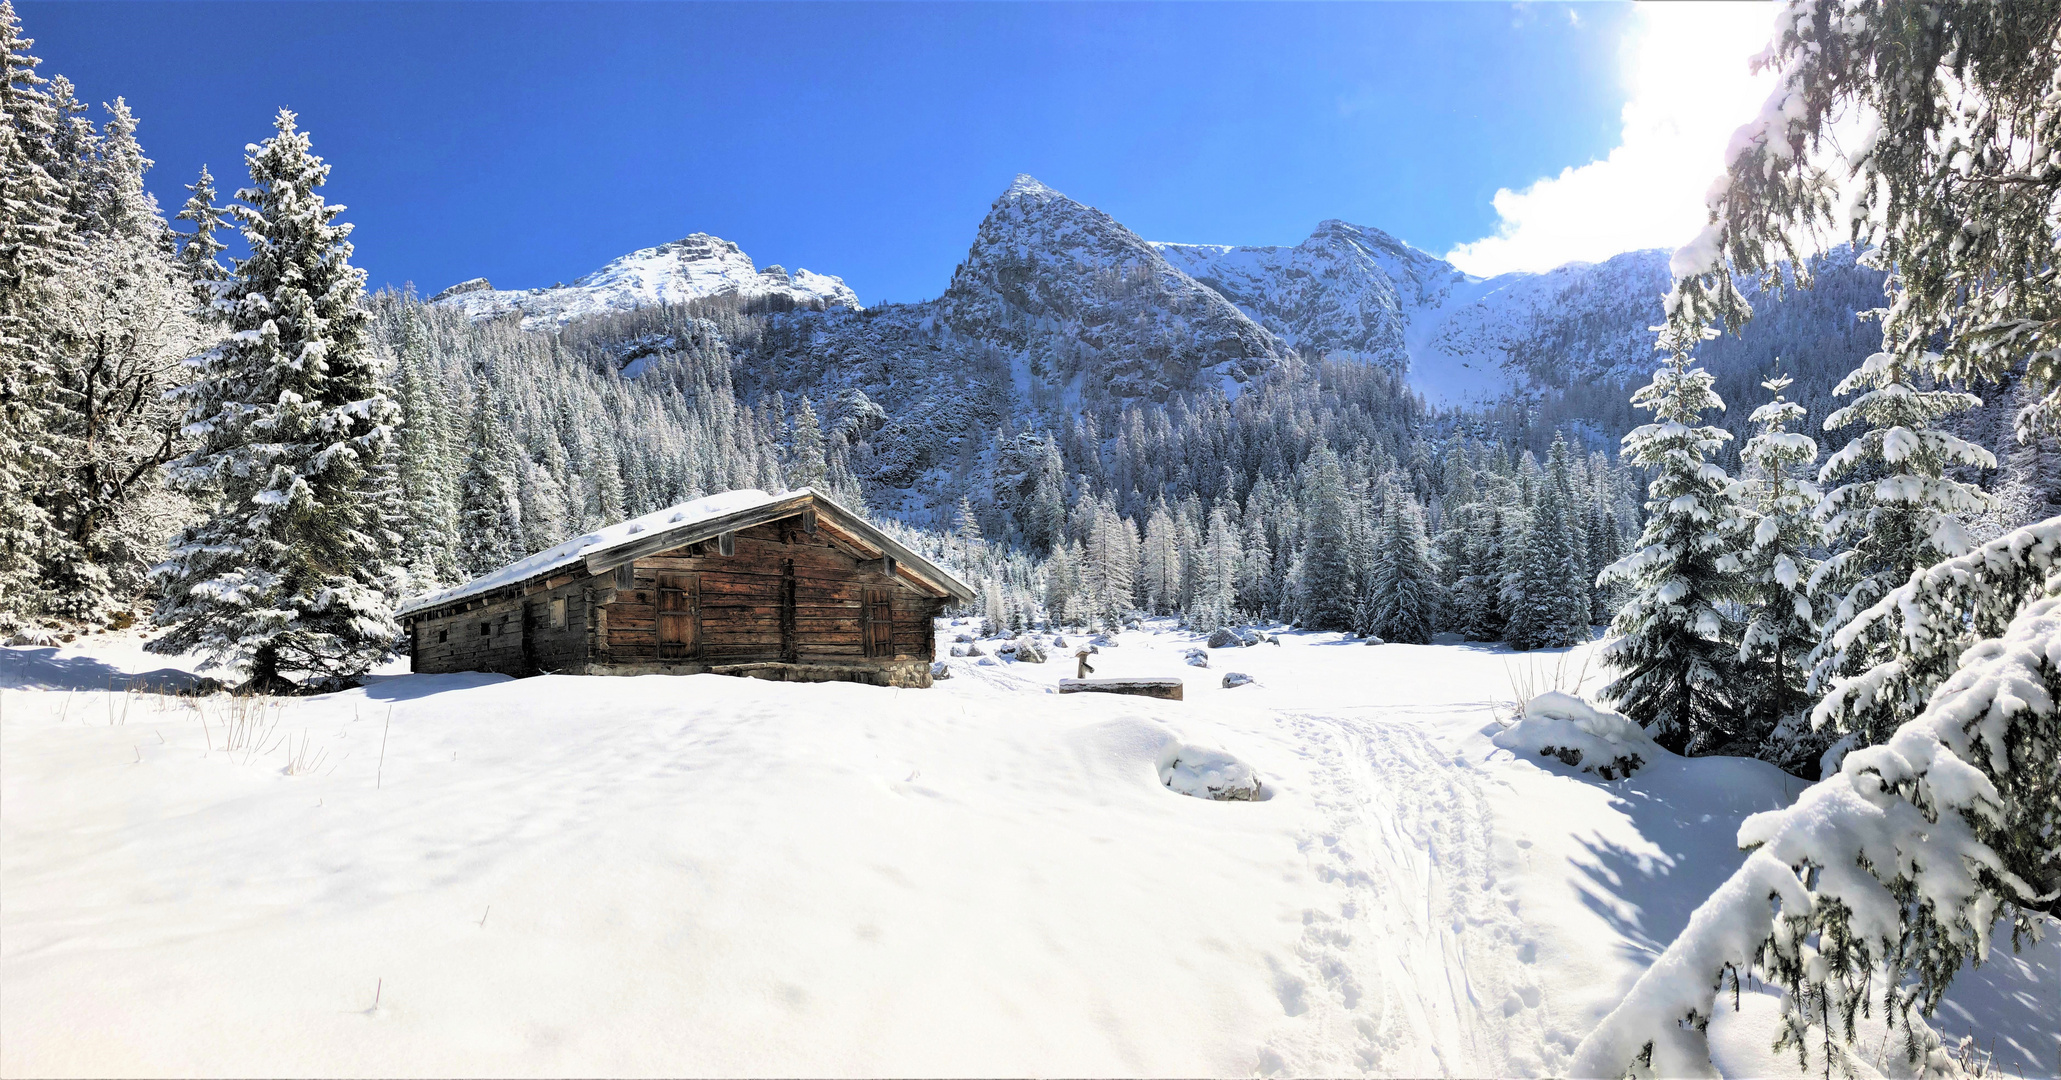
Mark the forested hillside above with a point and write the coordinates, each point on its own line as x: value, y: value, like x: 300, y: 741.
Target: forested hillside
x: 1095, y: 423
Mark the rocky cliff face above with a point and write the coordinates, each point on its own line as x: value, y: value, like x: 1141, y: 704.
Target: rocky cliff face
x: 692, y: 268
x: 1078, y: 293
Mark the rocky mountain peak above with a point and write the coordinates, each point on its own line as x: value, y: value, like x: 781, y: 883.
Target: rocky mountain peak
x: 692, y: 267
x: 1042, y: 262
x: 1027, y: 185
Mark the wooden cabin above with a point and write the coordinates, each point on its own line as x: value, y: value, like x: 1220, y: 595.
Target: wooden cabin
x: 790, y: 587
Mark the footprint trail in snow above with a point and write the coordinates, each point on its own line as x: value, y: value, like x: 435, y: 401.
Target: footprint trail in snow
x: 1421, y: 963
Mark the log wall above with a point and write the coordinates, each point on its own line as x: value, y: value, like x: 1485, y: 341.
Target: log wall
x: 744, y: 619
x: 489, y: 634
x: 744, y: 615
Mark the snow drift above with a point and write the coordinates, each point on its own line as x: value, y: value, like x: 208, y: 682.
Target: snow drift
x: 1597, y: 740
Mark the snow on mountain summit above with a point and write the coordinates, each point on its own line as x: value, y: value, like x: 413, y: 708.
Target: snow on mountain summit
x: 686, y: 269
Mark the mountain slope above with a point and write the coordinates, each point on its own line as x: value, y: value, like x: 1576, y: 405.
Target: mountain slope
x: 1347, y: 290
x: 691, y: 268
x: 1046, y: 272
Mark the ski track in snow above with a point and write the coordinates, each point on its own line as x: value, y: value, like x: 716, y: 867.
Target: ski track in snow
x: 1420, y: 967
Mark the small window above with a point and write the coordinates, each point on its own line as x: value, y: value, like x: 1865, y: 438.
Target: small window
x: 485, y: 629
x: 443, y: 636
x: 558, y: 614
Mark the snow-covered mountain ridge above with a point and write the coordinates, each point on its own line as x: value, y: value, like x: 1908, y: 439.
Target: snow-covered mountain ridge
x: 691, y: 268
x: 1355, y: 292
x: 1057, y: 304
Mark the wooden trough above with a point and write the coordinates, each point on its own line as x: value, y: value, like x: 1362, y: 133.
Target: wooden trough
x: 1170, y: 689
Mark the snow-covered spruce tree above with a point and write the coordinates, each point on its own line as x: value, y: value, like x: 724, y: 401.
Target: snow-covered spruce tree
x: 1477, y: 599
x: 1549, y: 601
x: 429, y: 537
x: 806, y: 466
x: 1327, y: 593
x: 1772, y: 520
x: 36, y: 242
x: 199, y: 251
x: 283, y: 575
x: 1899, y: 508
x: 1216, y: 589
x: 1160, y: 563
x: 1668, y: 652
x: 1886, y: 877
x: 966, y: 528
x: 490, y: 517
x: 1403, y: 593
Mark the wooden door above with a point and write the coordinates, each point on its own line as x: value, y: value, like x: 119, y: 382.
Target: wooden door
x: 530, y: 619
x: 877, y: 621
x: 679, y: 616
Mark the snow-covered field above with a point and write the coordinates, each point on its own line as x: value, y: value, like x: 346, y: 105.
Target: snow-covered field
x: 663, y: 875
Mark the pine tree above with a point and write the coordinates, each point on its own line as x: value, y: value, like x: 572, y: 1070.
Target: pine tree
x: 1549, y: 605
x: 199, y: 250
x: 1047, y: 511
x: 429, y: 545
x: 284, y: 573
x: 1477, y: 598
x: 1775, y: 531
x: 1328, y: 594
x: 489, y: 514
x: 1403, y: 592
x: 36, y: 243
x: 1258, y: 586
x: 967, y: 532
x: 805, y: 463
x: 1899, y: 509
x: 1216, y: 587
x: 1672, y: 666
x: 1159, y: 562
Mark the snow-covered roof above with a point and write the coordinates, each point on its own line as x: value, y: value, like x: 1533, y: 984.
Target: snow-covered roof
x: 682, y: 520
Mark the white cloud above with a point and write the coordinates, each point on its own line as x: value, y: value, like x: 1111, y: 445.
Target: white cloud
x: 1688, y: 88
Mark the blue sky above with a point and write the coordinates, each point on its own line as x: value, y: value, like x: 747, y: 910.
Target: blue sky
x: 532, y: 143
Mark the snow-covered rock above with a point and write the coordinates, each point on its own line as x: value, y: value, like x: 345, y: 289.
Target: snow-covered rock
x: 1563, y: 726
x: 1027, y: 651
x: 1207, y: 774
x: 940, y: 670
x: 1225, y: 637
x: 1196, y: 657
x: 1235, y: 678
x: 690, y: 268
